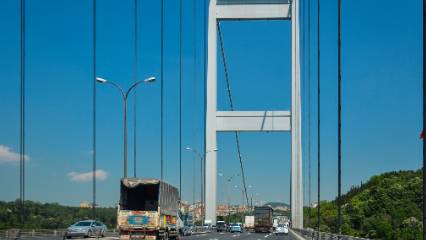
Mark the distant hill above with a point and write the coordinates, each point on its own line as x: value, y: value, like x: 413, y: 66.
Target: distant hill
x: 277, y: 205
x: 388, y: 206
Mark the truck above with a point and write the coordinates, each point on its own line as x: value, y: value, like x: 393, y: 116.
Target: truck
x: 249, y: 223
x: 148, y: 209
x: 263, y: 219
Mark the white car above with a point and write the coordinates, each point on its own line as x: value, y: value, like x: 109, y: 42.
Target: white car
x: 236, y: 228
x: 86, y: 228
x: 281, y: 229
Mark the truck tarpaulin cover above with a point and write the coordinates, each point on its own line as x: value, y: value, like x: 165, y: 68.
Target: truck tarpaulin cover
x: 263, y: 216
x: 148, y: 195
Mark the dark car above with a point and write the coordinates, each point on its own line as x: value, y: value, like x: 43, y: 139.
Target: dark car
x: 187, y: 230
x: 220, y: 226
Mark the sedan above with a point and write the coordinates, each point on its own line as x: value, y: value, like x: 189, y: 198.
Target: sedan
x: 236, y: 228
x: 86, y: 228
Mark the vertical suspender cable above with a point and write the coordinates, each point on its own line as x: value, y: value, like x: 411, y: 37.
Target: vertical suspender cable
x: 205, y: 95
x: 180, y: 101
x: 194, y: 73
x: 303, y: 94
x: 22, y: 117
x: 309, y: 111
x: 94, y: 110
x: 424, y: 119
x: 162, y: 91
x: 339, y: 116
x: 319, y: 118
x: 135, y: 78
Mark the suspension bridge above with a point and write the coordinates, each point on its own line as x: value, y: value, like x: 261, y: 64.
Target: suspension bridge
x: 303, y: 18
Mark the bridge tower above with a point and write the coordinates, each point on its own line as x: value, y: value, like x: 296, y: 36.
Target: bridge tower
x: 222, y: 121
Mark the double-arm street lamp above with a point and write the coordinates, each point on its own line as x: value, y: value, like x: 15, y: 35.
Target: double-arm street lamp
x: 202, y: 160
x: 125, y: 95
x: 228, y: 197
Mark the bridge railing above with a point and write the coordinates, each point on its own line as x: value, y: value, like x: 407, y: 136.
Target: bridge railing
x: 39, y: 233
x: 312, y: 234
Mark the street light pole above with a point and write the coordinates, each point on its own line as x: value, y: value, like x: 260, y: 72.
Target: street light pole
x: 202, y: 157
x: 125, y: 96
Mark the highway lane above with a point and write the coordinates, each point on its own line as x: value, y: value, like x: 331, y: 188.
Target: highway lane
x: 237, y: 236
x: 206, y: 236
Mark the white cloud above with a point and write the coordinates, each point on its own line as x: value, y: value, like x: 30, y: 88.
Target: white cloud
x: 8, y: 156
x: 87, y: 176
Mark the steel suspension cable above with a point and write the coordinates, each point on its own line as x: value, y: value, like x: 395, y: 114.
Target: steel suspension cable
x: 94, y: 110
x: 180, y: 101
x: 303, y: 94
x: 309, y: 107
x: 194, y: 79
x: 319, y: 116
x: 135, y: 79
x: 22, y: 117
x: 205, y: 2
x: 339, y: 120
x: 424, y: 118
x: 162, y: 91
x: 231, y: 103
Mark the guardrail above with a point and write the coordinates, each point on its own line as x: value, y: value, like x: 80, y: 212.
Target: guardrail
x: 311, y: 234
x: 59, y: 233
x: 39, y: 233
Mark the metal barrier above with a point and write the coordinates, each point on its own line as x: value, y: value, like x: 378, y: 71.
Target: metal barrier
x: 312, y: 234
x: 39, y: 233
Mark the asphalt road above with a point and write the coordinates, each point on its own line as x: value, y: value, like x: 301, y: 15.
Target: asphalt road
x: 207, y: 236
x: 236, y: 236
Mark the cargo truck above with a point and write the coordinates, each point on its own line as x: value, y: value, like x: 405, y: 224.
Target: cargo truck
x: 263, y: 221
x: 148, y: 209
x: 249, y: 223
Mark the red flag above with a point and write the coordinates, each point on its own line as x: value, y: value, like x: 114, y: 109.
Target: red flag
x: 422, y: 135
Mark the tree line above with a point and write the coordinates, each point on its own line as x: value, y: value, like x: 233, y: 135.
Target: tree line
x: 388, y: 206
x: 50, y: 215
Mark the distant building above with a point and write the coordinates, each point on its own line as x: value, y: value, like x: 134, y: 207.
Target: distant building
x: 185, y: 207
x: 86, y: 204
x: 223, y: 210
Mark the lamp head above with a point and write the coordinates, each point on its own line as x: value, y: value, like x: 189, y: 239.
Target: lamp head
x: 101, y: 80
x: 149, y: 80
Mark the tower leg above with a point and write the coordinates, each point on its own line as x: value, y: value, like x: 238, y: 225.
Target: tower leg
x: 211, y: 141
x: 296, y: 130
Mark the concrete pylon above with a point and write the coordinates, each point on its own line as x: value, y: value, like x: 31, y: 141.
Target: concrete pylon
x: 222, y: 121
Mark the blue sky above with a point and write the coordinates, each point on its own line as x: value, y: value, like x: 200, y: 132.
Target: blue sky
x: 381, y: 96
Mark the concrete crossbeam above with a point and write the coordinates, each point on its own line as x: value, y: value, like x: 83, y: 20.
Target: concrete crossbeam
x: 259, y: 121
x: 253, y: 11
